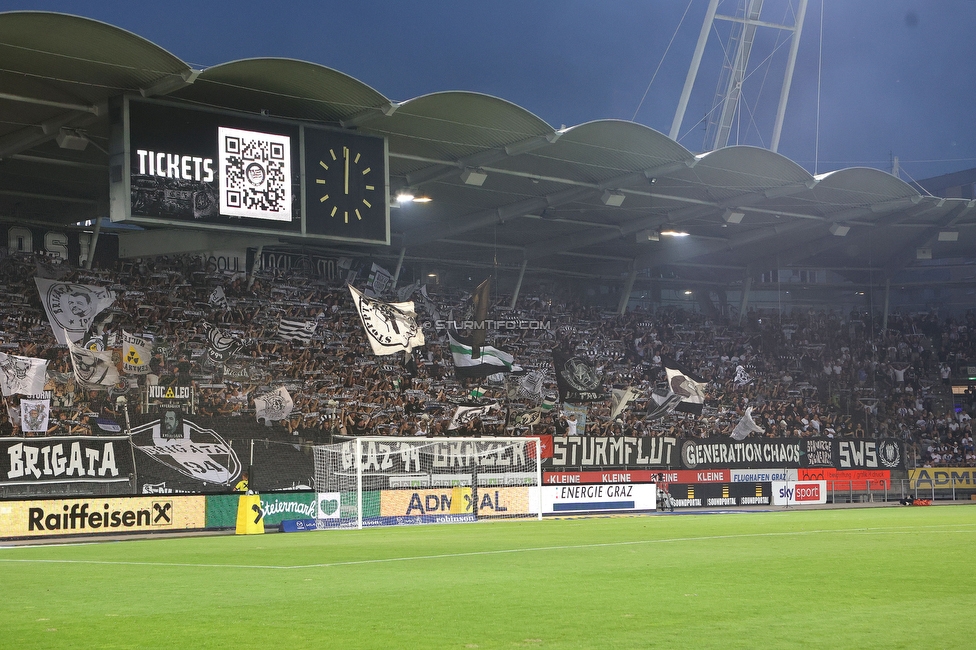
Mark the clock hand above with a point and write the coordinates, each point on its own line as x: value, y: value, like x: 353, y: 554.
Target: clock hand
x: 345, y: 155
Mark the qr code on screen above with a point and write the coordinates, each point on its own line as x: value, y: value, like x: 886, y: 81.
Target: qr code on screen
x: 255, y: 174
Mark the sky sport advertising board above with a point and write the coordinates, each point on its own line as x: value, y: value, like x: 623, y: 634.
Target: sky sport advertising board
x: 801, y: 493
x: 572, y: 499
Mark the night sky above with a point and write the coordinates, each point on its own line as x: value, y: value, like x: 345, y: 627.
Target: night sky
x: 896, y: 79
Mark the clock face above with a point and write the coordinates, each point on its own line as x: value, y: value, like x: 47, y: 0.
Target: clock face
x: 346, y: 185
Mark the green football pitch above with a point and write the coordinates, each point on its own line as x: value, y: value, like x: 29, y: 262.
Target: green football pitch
x: 891, y: 577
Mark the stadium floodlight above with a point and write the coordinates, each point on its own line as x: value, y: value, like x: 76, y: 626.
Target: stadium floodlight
x: 671, y: 231
x: 382, y: 481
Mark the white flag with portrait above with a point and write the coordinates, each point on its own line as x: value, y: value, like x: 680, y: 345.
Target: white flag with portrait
x: 465, y: 414
x: 22, y: 375
x: 71, y: 308
x: 34, y: 415
x: 390, y: 326
x: 93, y: 370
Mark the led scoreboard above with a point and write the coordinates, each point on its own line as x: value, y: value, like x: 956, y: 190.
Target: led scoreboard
x: 193, y: 168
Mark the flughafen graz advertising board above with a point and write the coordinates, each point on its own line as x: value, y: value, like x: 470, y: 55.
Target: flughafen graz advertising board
x: 195, y: 168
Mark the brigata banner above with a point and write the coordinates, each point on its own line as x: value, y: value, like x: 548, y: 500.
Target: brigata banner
x: 65, y: 459
x: 612, y: 452
x: 942, y: 477
x: 94, y: 516
x: 569, y: 499
x: 787, y: 493
x: 636, y: 476
x: 711, y: 495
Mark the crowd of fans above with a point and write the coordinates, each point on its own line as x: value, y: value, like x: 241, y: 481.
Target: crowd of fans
x: 809, y: 373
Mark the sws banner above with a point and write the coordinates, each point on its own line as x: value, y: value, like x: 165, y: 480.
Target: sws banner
x: 65, y: 459
x: 612, y: 452
x: 785, y: 453
x: 711, y: 495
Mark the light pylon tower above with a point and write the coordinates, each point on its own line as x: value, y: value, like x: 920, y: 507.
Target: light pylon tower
x: 745, y: 23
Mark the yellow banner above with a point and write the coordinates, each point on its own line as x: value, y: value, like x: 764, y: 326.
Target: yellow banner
x: 942, y: 477
x: 501, y: 501
x: 94, y: 516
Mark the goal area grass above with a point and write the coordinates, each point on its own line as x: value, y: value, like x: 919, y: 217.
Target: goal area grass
x: 889, y: 577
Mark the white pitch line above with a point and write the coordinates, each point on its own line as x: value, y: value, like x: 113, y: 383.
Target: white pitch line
x: 443, y: 556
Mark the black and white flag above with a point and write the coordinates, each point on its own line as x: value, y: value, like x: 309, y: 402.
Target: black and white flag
x: 34, y: 415
x: 217, y: 299
x: 93, y: 370
x: 22, y: 375
x: 530, y: 385
x: 274, y: 406
x: 220, y: 346
x: 690, y: 388
x: 742, y: 378
x: 619, y: 399
x: 466, y: 414
x: 576, y: 379
x: 296, y: 331
x: 746, y: 426
x: 71, y: 308
x: 390, y: 327
x: 660, y: 405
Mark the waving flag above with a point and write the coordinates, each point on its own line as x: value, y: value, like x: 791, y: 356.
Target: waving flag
x: 71, y: 308
x: 390, y: 327
x: 619, y: 400
x: 491, y: 361
x: 22, y: 375
x: 296, y: 331
x: 220, y: 346
x: 465, y: 414
x: 136, y: 354
x: 93, y: 369
x: 746, y: 426
x: 274, y: 406
x: 687, y: 386
x: 217, y: 299
x: 379, y: 280
x: 576, y: 379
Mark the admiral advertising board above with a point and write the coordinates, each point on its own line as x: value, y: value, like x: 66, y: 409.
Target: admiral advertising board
x: 942, y: 477
x: 457, y: 501
x: 198, y: 168
x: 95, y: 516
x: 787, y: 493
x: 618, y: 497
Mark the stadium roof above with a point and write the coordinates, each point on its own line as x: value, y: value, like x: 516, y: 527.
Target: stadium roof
x: 589, y: 200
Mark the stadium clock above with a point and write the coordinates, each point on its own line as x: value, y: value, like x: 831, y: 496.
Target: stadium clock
x: 346, y: 185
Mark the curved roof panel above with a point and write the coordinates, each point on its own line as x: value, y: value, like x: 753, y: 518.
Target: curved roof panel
x: 285, y: 88
x: 89, y: 59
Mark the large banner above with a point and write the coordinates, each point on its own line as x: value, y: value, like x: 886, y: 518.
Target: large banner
x: 104, y: 515
x: 612, y: 452
x: 624, y: 452
x: 404, y: 457
x: 65, y: 459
